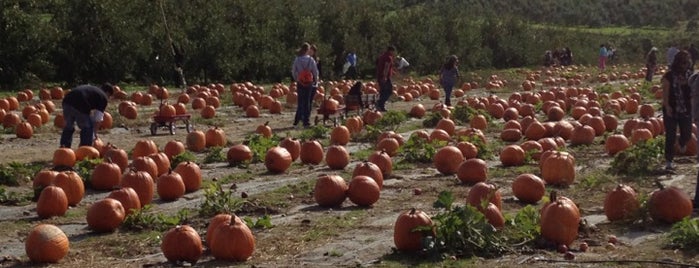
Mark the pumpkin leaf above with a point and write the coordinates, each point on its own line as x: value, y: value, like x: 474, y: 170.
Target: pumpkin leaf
x: 444, y: 200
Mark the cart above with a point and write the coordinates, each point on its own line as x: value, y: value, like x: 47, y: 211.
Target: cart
x: 168, y: 122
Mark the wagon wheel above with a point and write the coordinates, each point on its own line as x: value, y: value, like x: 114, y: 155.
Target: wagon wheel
x: 153, y: 128
x: 187, y: 126
x: 172, y: 128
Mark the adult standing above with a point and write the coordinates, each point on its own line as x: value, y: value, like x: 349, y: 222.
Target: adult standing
x: 351, y: 61
x: 602, y: 57
x: 305, y: 73
x: 314, y: 54
x: 677, y: 105
x: 671, y: 52
x: 694, y: 53
x: 448, y: 76
x: 651, y: 63
x: 84, y: 105
x: 384, y: 72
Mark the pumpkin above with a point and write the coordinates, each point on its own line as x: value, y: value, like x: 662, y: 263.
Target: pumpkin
x: 182, y: 243
x: 144, y: 163
x: 173, y: 148
x: 559, y: 221
x: 311, y: 152
x: 129, y: 111
x: 105, y: 215
x: 468, y: 149
x: 46, y: 243
x: 354, y: 124
x: 105, y: 176
x: 191, y: 175
x: 512, y: 155
x: 117, y: 156
x: 389, y: 144
x: 52, y: 202
x: 330, y: 190
x: 482, y: 191
x: 472, y: 170
x: 141, y: 182
x: 214, y: 223
x: 582, y: 135
x: 447, y: 125
x: 43, y: 178
x: 239, y: 153
x: 669, y: 204
x: 404, y: 237
x: 616, y: 143
x: 558, y: 168
x: 72, y: 185
x: 107, y: 121
x: 383, y: 161
x: 511, y: 135
x: 418, y: 111
x: 494, y: 216
x: 528, y: 188
x: 277, y: 160
x: 196, y: 141
x: 447, y: 159
x: 337, y: 157
x: 293, y: 146
x: 340, y: 135
x: 11, y: 120
x: 215, y: 137
x: 128, y: 198
x: 162, y: 162
x: 265, y: 130
x: 232, y: 240
x: 363, y: 191
x: 646, y: 111
x: 252, y: 111
x: 144, y: 148
x: 369, y: 169
x: 439, y: 135
x: 621, y: 203
x: 24, y: 130
x: 86, y: 152
x: 170, y: 186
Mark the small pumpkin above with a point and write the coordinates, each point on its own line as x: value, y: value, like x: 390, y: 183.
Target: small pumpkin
x: 105, y: 215
x: 128, y: 198
x: 512, y: 155
x: 182, y: 243
x: 621, y: 203
x: 173, y: 148
x: 147, y: 164
x: 383, y: 161
x: 340, y: 135
x: 277, y: 160
x: 46, y: 243
x: 265, y: 130
x: 144, y: 148
x: 232, y: 240
x: 117, y: 156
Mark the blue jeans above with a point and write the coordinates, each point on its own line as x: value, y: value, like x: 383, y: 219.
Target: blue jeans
x: 303, y: 105
x: 385, y: 91
x: 671, y: 123
x: 447, y: 93
x: 87, y: 129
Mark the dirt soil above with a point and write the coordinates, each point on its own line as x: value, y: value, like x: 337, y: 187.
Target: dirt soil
x: 305, y: 234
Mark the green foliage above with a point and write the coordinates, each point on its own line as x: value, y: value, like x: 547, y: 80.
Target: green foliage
x: 463, y: 113
x: 419, y: 150
x: 14, y: 173
x: 185, y: 156
x: 431, y: 120
x: 370, y: 134
x: 264, y: 222
x: 145, y: 219
x: 685, y: 233
x: 11, y: 198
x: 639, y: 159
x: 85, y: 167
x: 259, y: 145
x: 523, y: 227
x: 214, y: 155
x: 316, y: 132
x: 391, y: 120
x: 218, y: 200
x: 485, y: 150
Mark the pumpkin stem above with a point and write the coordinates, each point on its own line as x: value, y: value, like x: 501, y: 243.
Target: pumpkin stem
x: 553, y: 196
x: 412, y: 211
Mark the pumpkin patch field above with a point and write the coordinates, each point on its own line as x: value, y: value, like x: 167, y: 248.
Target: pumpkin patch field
x: 535, y: 167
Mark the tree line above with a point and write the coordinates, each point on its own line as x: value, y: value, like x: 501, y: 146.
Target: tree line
x: 77, y: 41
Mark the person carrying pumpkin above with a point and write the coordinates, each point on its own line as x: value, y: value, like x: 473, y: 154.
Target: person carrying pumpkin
x: 84, y: 105
x: 305, y: 72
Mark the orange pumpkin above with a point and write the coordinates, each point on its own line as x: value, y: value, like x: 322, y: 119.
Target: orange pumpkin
x: 215, y: 137
x: 141, y: 182
x: 472, y: 170
x: 170, y: 186
x: 72, y: 185
x: 363, y: 191
x: 182, y: 243
x: 621, y: 203
x: 128, y: 198
x: 669, y: 204
x: 447, y: 159
x: 191, y: 175
x: 404, y: 236
x: 330, y: 190
x: 196, y: 141
x: 52, y: 202
x: 311, y: 152
x: 337, y: 157
x: 232, y: 240
x: 64, y: 157
x: 293, y: 146
x: 105, y: 176
x: 484, y: 191
x: 105, y: 215
x: 528, y: 188
x: 277, y: 160
x: 46, y: 243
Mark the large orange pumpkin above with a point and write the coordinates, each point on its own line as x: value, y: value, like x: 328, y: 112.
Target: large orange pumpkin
x: 105, y: 176
x: 447, y: 159
x: 528, y: 188
x: 105, y: 215
x: 383, y: 161
x: 404, y: 236
x: 363, y: 191
x: 369, y: 169
x: 144, y: 148
x: 311, y: 152
x: 46, y: 243
x: 330, y: 190
x: 337, y: 157
x: 621, y: 203
x: 293, y: 146
x: 182, y: 243
x: 64, y: 157
x: 191, y: 175
x: 669, y: 204
x: 232, y: 240
x: 72, y: 185
x: 215, y: 137
x: 560, y: 220
x: 52, y: 202
x: 484, y: 191
x: 472, y: 170
x: 128, y: 198
x: 142, y: 183
x: 170, y: 186
x: 277, y: 160
x: 512, y: 155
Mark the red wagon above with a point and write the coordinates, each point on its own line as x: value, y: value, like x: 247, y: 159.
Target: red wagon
x: 168, y: 122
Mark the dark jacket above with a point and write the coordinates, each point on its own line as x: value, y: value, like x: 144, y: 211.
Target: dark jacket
x: 86, y: 98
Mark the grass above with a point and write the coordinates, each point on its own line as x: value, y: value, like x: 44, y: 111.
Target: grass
x: 279, y: 197
x: 333, y: 225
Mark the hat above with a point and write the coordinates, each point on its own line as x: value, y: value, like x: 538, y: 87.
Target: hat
x: 654, y: 49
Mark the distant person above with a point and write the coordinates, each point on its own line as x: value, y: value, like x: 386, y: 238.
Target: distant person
x: 402, y: 64
x: 351, y: 62
x: 567, y: 57
x: 313, y: 52
x: 548, y: 58
x: 305, y: 73
x: 602, y: 57
x: 84, y: 105
x: 694, y: 53
x: 178, y: 55
x: 448, y: 76
x: 384, y: 72
x: 651, y: 63
x: 611, y: 54
x: 677, y: 106
x: 671, y: 52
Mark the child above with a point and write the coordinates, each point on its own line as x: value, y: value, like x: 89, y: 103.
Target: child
x: 448, y: 76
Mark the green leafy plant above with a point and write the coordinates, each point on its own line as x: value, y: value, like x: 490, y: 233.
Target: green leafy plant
x: 145, y: 219
x: 370, y: 134
x: 485, y: 150
x: 182, y: 157
x: 685, y: 234
x: 639, y: 159
x: 431, y: 120
x: 85, y: 167
x: 419, y: 150
x: 523, y: 227
x: 14, y: 173
x: 259, y: 145
x: 214, y: 155
x: 218, y: 200
x: 315, y: 132
x: 264, y: 222
x: 11, y: 198
x: 391, y: 120
x: 464, y: 113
